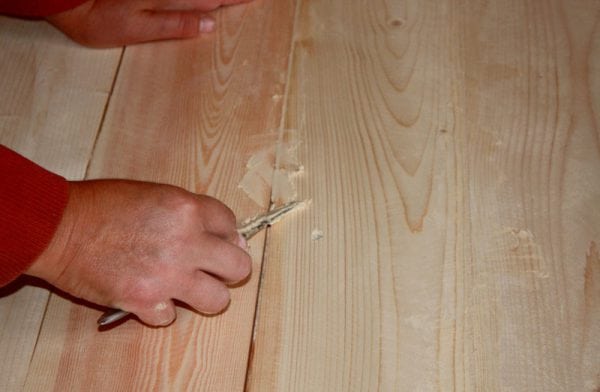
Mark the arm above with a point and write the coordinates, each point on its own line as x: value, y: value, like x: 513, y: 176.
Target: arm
x: 131, y: 245
x: 32, y: 201
x: 36, y: 8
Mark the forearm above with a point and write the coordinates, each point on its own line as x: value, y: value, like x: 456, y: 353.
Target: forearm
x: 36, y: 8
x: 32, y: 201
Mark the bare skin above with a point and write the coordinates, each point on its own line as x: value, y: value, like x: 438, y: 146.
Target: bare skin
x: 137, y: 246
x: 111, y: 23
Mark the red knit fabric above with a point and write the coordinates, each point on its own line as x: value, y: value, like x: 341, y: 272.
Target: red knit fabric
x: 32, y: 201
x: 36, y: 8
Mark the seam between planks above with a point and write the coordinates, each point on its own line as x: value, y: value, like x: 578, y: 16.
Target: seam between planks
x: 263, y: 263
x: 87, y: 167
x: 37, y: 339
x: 104, y: 112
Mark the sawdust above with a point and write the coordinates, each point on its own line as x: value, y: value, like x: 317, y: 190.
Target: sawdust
x: 271, y: 170
x: 284, y: 190
x: 316, y: 235
x: 520, y: 237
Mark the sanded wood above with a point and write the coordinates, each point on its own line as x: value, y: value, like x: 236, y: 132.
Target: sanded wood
x: 188, y: 113
x: 452, y: 156
x: 52, y: 97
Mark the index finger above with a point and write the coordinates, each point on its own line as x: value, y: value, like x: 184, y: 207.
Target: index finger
x: 218, y: 219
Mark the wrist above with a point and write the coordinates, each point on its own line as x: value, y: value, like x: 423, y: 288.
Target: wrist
x: 54, y: 259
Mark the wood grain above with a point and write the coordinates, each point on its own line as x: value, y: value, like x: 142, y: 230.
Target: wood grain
x: 452, y: 155
x: 451, y: 151
x: 188, y: 113
x: 52, y: 97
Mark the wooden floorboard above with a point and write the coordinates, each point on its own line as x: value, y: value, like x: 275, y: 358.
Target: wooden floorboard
x: 52, y: 97
x: 187, y: 113
x: 452, y: 155
x: 450, y: 151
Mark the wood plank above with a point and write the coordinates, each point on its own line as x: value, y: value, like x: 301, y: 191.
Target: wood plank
x: 188, y: 113
x: 452, y: 155
x: 52, y: 97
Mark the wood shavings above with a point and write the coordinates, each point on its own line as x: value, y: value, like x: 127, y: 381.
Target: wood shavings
x: 316, y: 234
x: 271, y: 170
x: 284, y: 191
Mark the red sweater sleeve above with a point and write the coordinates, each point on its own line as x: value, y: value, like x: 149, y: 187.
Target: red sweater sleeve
x: 36, y: 8
x: 32, y: 201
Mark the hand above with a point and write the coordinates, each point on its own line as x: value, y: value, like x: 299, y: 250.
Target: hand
x: 137, y: 246
x: 110, y: 23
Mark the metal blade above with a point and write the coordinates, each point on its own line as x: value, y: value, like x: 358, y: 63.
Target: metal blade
x: 250, y: 227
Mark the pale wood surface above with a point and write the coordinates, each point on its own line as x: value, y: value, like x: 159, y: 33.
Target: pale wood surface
x: 452, y: 157
x: 188, y: 114
x: 52, y: 96
x: 451, y: 151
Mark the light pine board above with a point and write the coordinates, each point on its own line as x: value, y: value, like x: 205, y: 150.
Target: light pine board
x: 452, y: 156
x: 52, y: 96
x: 188, y: 113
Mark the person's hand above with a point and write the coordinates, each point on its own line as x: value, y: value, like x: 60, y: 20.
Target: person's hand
x: 137, y: 246
x: 110, y: 23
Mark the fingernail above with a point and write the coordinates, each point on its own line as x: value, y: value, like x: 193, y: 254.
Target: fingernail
x: 242, y: 243
x: 167, y: 317
x: 207, y: 24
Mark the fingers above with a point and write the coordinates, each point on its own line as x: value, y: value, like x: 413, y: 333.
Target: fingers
x: 140, y: 26
x: 154, y: 26
x: 223, y: 259
x: 103, y: 24
x: 203, y: 293
x: 215, y: 263
x: 199, y: 290
x: 218, y: 219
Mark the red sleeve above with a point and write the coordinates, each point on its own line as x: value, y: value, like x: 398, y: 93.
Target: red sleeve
x: 36, y: 8
x: 32, y: 201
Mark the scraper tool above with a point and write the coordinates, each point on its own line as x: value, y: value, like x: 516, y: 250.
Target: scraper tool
x: 247, y: 230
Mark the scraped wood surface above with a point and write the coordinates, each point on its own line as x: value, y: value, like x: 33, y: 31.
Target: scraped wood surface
x: 52, y: 96
x: 452, y: 156
x: 451, y: 153
x: 188, y: 113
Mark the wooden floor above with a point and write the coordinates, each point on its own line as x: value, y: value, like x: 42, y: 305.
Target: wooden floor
x: 451, y: 153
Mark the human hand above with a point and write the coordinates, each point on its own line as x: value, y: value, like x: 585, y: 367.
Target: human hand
x: 137, y: 246
x: 110, y: 23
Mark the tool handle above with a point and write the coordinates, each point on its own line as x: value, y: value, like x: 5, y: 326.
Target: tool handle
x: 112, y: 316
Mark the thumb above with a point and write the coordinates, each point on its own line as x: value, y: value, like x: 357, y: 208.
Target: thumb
x: 171, y: 25
x: 160, y: 315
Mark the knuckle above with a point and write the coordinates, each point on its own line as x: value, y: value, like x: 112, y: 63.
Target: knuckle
x: 214, y: 204
x: 213, y: 298
x: 229, y: 216
x: 139, y: 291
x: 215, y: 211
x: 183, y: 204
x: 219, y: 300
x: 145, y: 293
x: 243, y: 267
